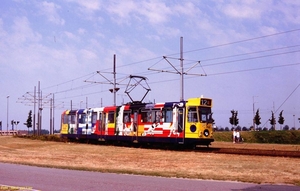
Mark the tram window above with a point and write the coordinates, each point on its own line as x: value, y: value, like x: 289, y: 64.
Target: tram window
x: 94, y: 117
x: 82, y: 118
x: 155, y: 116
x: 192, y: 114
x: 151, y: 116
x: 168, y: 115
x: 135, y: 117
x: 101, y: 117
x: 144, y: 116
x: 111, y: 117
x: 158, y: 116
x: 72, y: 119
x: 203, y: 117
x: 65, y: 119
x: 126, y: 117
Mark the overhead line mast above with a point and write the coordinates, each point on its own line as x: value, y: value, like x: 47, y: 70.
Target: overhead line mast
x: 114, y: 72
x: 181, y: 65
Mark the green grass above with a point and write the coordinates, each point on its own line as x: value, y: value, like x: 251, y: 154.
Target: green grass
x: 278, y: 137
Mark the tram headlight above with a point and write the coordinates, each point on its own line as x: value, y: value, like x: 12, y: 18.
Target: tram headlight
x: 206, y: 133
x: 193, y: 128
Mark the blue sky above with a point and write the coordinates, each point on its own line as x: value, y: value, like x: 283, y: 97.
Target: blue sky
x: 249, y: 51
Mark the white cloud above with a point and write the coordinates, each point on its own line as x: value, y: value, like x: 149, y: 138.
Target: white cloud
x: 153, y: 37
x: 87, y: 54
x: 156, y: 12
x: 71, y: 36
x: 123, y: 48
x: 50, y: 10
x: 168, y: 31
x: 81, y: 31
x: 2, y: 31
x: 89, y: 5
x: 245, y: 9
x: 121, y: 11
x: 290, y: 11
x: 187, y: 8
x: 265, y: 30
x: 22, y: 32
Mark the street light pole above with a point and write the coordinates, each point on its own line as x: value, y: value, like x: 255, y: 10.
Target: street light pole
x: 7, y: 113
x: 253, y: 116
x: 294, y: 121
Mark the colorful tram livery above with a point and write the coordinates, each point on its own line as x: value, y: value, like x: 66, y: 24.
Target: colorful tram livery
x: 186, y: 122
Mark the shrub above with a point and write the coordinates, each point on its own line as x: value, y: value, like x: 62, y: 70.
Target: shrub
x: 279, y: 137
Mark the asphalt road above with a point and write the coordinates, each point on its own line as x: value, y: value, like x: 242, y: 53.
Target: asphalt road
x: 38, y: 178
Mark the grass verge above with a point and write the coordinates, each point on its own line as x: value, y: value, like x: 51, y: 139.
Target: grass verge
x: 154, y: 162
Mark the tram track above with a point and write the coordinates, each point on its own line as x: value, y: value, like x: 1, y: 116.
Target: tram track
x: 274, y: 150
x: 227, y: 150
x: 245, y: 151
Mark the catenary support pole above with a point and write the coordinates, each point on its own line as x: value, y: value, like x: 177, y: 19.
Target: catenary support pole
x: 181, y: 65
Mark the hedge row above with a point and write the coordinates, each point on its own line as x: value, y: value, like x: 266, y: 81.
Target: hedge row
x: 278, y: 137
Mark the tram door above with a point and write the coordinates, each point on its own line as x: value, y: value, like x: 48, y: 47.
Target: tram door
x: 135, y: 124
x: 181, y: 123
x: 101, y: 125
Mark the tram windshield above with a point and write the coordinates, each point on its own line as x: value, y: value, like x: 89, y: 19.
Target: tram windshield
x: 205, y: 114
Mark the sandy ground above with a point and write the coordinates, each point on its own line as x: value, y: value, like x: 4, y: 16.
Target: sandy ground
x: 256, y: 169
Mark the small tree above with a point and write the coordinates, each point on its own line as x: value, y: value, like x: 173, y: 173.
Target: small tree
x: 29, y: 121
x: 236, y: 119
x: 257, y: 118
x: 233, y: 120
x: 286, y: 128
x: 280, y: 119
x: 272, y: 121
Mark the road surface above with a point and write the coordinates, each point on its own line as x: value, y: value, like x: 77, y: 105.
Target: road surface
x: 24, y: 177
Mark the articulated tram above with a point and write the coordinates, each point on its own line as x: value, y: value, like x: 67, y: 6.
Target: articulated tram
x: 187, y: 122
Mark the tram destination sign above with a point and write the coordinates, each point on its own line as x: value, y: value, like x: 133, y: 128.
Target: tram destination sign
x: 205, y: 102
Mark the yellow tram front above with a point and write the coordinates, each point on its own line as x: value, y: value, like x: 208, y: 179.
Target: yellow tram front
x: 199, y: 121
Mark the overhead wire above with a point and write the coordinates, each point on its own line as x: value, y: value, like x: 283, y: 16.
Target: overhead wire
x: 205, y: 48
x: 244, y: 59
x: 200, y: 49
x: 294, y: 90
x: 241, y: 41
x: 69, y: 81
